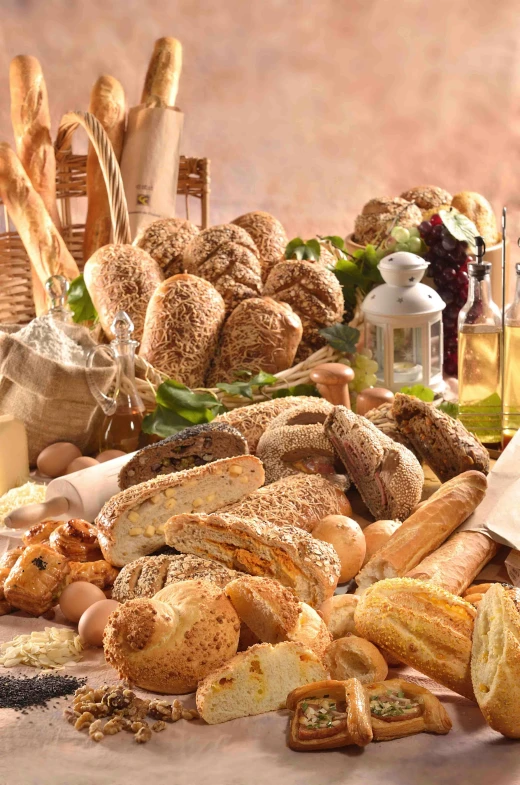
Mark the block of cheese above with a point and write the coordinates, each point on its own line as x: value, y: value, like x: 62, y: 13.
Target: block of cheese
x: 14, y: 454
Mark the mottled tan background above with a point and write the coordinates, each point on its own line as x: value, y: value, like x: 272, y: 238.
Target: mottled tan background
x: 307, y: 108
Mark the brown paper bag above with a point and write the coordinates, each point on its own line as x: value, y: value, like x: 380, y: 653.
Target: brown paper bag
x: 150, y: 164
x: 53, y: 400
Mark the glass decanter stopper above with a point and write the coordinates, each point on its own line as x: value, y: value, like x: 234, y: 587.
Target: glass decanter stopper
x: 57, y: 288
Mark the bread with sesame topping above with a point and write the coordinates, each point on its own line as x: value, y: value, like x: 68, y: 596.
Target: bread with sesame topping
x: 170, y: 642
x: 165, y: 241
x: 307, y: 566
x: 252, y: 420
x: 268, y: 235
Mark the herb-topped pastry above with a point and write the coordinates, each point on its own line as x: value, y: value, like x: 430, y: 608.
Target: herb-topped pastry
x: 399, y: 708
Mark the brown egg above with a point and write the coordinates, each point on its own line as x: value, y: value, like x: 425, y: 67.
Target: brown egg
x: 93, y: 622
x: 77, y: 597
x: 83, y: 462
x: 109, y: 455
x: 372, y: 398
x: 345, y: 535
x: 377, y: 535
x: 55, y: 458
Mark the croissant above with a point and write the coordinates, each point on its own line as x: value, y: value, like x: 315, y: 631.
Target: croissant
x: 99, y: 572
x: 399, y: 708
x: 36, y: 580
x: 77, y: 540
x: 40, y: 532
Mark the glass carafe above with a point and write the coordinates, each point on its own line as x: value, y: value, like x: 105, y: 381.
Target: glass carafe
x: 511, y: 422
x: 124, y: 411
x: 57, y: 288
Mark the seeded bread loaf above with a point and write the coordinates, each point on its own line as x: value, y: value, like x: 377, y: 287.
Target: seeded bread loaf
x: 227, y: 257
x: 131, y: 523
x: 290, y: 555
x: 268, y: 235
x: 165, y: 241
x: 195, y: 446
x: 183, y: 322
x: 252, y: 420
x: 379, y: 215
x: 477, y: 208
x: 428, y: 198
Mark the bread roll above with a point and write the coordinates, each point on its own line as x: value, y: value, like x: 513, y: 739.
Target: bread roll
x: 379, y: 216
x: 164, y: 70
x: 171, y: 642
x: 252, y: 420
x: 259, y: 335
x: 478, y: 210
x: 376, y: 535
x: 426, y: 529
x: 268, y: 235
x: 314, y: 293
x: 355, y: 658
x: 165, y: 241
x: 227, y: 257
x: 428, y: 197
x: 347, y: 539
x: 311, y: 630
x: 456, y: 563
x: 182, y: 328
x: 121, y: 278
x: 107, y: 104
x: 495, y: 659
x: 338, y: 613
x: 423, y: 626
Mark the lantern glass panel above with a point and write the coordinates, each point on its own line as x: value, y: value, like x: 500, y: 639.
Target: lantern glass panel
x: 408, y: 367
x: 436, y: 349
x: 374, y: 337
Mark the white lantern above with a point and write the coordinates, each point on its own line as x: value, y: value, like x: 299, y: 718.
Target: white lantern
x: 403, y: 325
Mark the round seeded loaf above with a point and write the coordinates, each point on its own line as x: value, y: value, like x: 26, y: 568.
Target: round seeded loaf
x: 378, y: 216
x: 252, y: 420
x: 165, y: 241
x: 268, y: 235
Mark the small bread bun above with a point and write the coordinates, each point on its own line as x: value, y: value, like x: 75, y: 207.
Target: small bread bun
x: 345, y: 535
x: 428, y: 197
x: 355, y: 658
x: 311, y: 630
x: 376, y: 535
x: 338, y: 614
x: 477, y: 209
x: 378, y: 216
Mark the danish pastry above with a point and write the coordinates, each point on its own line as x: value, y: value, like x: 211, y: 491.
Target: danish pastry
x: 98, y: 572
x: 399, y: 708
x: 36, y: 580
x: 40, y: 532
x: 77, y: 540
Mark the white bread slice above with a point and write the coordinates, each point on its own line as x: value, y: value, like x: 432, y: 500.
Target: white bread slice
x: 131, y: 523
x: 256, y: 681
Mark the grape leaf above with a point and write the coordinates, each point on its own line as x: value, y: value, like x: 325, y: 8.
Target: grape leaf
x: 163, y: 422
x: 341, y: 337
x: 245, y: 388
x: 419, y: 391
x: 195, y: 407
x: 348, y: 273
x: 298, y: 389
x: 450, y: 408
x: 335, y: 240
x: 459, y: 226
x: 292, y: 246
x: 80, y: 302
x: 303, y: 251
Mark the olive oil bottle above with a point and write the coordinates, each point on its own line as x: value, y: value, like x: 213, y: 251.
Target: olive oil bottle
x: 511, y: 422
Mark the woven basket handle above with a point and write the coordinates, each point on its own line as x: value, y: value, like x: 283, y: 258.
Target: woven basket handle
x: 108, y: 164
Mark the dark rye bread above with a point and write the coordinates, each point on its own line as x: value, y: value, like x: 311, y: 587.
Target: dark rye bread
x: 195, y: 446
x: 443, y: 443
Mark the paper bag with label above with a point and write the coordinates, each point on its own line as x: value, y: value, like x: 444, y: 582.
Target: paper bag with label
x: 150, y: 164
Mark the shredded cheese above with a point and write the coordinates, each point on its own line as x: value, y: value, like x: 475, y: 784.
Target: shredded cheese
x: 30, y: 493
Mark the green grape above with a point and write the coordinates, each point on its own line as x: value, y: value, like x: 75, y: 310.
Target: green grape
x: 371, y: 367
x: 371, y: 379
x: 414, y: 232
x: 402, y: 246
x: 401, y: 234
x: 366, y: 353
x: 415, y: 244
x: 360, y: 361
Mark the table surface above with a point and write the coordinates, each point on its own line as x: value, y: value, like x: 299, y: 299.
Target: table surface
x: 41, y: 748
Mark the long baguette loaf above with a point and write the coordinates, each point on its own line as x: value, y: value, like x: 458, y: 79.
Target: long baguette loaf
x: 107, y: 104
x: 455, y: 564
x: 45, y: 248
x: 131, y: 523
x: 162, y: 78
x: 425, y: 529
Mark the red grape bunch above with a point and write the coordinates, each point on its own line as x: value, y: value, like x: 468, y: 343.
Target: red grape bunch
x: 448, y: 258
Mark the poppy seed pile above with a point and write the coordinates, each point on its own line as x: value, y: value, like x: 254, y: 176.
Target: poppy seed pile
x: 24, y: 693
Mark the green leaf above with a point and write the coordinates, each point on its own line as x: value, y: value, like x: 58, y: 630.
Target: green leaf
x: 341, y: 337
x: 459, y: 226
x: 245, y: 388
x: 196, y: 407
x: 348, y: 273
x: 292, y: 246
x: 450, y: 408
x: 419, y: 391
x: 79, y: 301
x: 301, y: 250
x: 313, y: 250
x: 308, y: 390
x: 335, y: 240
x: 163, y: 422
x: 371, y: 257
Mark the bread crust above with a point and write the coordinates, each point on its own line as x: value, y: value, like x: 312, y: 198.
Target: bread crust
x: 433, y: 719
x: 428, y: 197
x: 162, y: 77
x: 36, y: 579
x: 477, y: 208
x: 252, y: 420
x: 379, y: 215
x: 165, y: 240
x: 268, y: 235
x: 353, y: 657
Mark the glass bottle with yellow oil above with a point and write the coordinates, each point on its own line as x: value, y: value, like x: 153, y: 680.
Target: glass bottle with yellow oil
x: 480, y: 345
x: 512, y: 366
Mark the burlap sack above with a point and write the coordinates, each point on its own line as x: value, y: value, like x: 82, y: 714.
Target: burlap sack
x: 53, y: 400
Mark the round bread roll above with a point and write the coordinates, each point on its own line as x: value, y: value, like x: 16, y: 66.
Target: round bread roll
x: 355, y: 658
x: 314, y: 293
x: 311, y: 630
x: 172, y: 641
x: 428, y: 197
x: 268, y: 235
x: 345, y: 535
x: 182, y: 326
x: 121, y: 278
x: 477, y: 208
x: 338, y: 613
x: 165, y: 241
x: 227, y: 257
x: 376, y: 535
x: 260, y: 335
x: 379, y: 215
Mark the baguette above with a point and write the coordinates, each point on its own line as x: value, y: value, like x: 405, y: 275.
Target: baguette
x: 131, y: 523
x: 456, y: 563
x: 307, y: 566
x: 426, y: 529
x: 31, y: 121
x: 45, y: 248
x: 164, y: 71
x: 107, y: 104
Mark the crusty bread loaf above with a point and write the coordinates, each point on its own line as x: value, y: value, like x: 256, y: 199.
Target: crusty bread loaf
x: 107, y: 104
x: 428, y: 197
x: 455, y: 564
x: 131, y: 523
x: 164, y: 70
x: 314, y: 293
x: 227, y: 257
x: 259, y: 335
x: 194, y: 446
x: 477, y: 208
x: 307, y: 566
x: 252, y: 420
x: 495, y: 659
x: 182, y: 327
x: 171, y: 642
x: 121, y: 278
x: 301, y: 500
x: 422, y: 625
x: 425, y: 529
x: 379, y: 215
x: 256, y: 681
x: 338, y: 613
x: 353, y: 657
x: 146, y: 576
x: 268, y: 235
x: 376, y: 535
x: 165, y: 241
x: 346, y: 537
